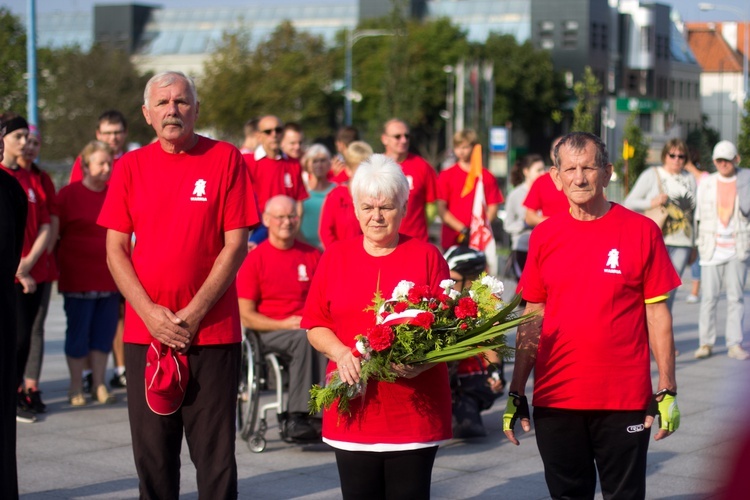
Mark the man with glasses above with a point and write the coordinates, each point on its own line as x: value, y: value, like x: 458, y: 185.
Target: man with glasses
x: 597, y: 278
x: 420, y: 208
x: 272, y: 287
x: 723, y: 219
x: 272, y: 171
x: 112, y: 128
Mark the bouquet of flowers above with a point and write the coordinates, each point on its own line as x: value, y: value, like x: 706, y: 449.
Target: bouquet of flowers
x: 415, y: 327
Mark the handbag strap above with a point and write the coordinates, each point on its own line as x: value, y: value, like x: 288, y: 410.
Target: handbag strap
x: 658, y: 180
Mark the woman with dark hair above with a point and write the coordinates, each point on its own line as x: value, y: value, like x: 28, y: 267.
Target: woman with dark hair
x: 33, y: 265
x: 672, y: 187
x: 523, y: 174
x: 385, y: 447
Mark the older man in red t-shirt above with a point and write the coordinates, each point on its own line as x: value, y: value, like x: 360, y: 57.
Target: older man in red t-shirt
x: 189, y: 202
x: 272, y: 286
x: 420, y: 208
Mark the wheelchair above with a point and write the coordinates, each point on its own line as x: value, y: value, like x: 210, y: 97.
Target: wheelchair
x: 257, y: 371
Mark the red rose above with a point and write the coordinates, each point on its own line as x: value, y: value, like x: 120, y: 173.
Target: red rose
x: 466, y: 308
x: 433, y: 304
x: 400, y: 307
x: 423, y: 319
x: 380, y: 337
x: 443, y: 297
x: 417, y: 293
x: 463, y: 326
x: 444, y: 306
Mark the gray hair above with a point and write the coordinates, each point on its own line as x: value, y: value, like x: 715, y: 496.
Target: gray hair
x: 312, y: 152
x: 167, y: 78
x: 578, y: 141
x: 380, y: 176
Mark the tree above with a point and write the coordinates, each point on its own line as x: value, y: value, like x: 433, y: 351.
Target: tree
x: 637, y: 163
x: 743, y: 141
x: 527, y: 88
x: 288, y: 75
x: 587, y: 91
x: 75, y: 87
x: 12, y: 63
x: 702, y: 141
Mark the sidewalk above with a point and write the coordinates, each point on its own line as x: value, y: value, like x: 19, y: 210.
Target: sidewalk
x: 85, y: 452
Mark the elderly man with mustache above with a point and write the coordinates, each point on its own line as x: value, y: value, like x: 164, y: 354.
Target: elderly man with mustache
x: 189, y: 201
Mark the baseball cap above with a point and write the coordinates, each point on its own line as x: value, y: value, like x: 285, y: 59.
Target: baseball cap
x: 724, y: 150
x: 167, y: 377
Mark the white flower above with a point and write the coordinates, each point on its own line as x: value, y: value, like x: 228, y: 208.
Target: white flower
x: 496, y: 286
x: 361, y: 347
x: 447, y: 285
x: 454, y: 294
x: 473, y: 294
x: 402, y: 290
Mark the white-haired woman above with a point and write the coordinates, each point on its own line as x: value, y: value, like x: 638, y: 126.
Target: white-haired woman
x: 386, y: 447
x: 316, y: 165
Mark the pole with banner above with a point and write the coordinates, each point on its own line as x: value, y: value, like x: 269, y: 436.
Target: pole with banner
x: 480, y: 230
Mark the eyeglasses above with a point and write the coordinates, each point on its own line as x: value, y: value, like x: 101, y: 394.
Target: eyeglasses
x: 679, y: 157
x: 281, y: 218
x: 270, y: 131
x: 399, y: 136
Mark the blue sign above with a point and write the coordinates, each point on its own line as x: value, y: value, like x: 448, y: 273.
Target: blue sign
x: 498, y: 139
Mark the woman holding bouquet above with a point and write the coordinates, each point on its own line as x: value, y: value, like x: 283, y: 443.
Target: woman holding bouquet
x: 386, y: 444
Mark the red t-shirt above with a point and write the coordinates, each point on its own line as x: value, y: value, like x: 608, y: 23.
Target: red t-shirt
x: 594, y: 278
x: 544, y: 196
x: 337, y: 218
x: 50, y: 198
x: 278, y: 280
x: 450, y: 184
x: 82, y: 250
x: 275, y: 176
x: 340, y: 178
x: 405, y: 411
x: 37, y: 215
x: 179, y: 206
x: 76, y: 172
x: 422, y: 190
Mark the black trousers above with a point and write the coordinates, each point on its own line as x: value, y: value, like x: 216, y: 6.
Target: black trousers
x: 27, y: 306
x: 391, y: 475
x: 208, y: 416
x: 574, y: 444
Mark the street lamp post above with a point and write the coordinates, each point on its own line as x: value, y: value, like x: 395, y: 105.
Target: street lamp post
x: 352, y: 37
x: 741, y: 15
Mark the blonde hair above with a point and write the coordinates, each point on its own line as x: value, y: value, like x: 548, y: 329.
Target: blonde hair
x: 355, y: 153
x: 465, y: 136
x: 91, y: 148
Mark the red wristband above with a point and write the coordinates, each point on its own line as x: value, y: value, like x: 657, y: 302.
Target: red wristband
x: 356, y: 353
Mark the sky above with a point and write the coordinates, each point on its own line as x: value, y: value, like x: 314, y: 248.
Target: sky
x: 688, y: 9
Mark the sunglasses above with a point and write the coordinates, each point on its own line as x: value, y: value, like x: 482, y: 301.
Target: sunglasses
x: 399, y: 136
x: 270, y: 131
x: 679, y: 157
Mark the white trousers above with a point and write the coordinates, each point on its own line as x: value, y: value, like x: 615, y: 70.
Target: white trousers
x: 732, y: 275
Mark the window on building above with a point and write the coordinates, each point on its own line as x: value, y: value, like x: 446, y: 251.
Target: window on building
x: 632, y: 82
x: 594, y: 36
x: 570, y: 34
x: 646, y: 39
x: 644, y: 122
x: 547, y: 35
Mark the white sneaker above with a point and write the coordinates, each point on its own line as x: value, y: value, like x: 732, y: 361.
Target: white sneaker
x: 692, y: 299
x: 703, y: 352
x: 737, y: 352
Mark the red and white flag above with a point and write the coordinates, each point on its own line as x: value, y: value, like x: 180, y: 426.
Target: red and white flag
x: 480, y: 235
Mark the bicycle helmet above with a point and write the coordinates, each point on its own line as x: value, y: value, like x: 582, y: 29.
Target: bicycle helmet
x: 466, y: 261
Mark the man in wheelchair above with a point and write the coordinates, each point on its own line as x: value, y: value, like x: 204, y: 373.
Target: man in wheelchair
x: 272, y: 286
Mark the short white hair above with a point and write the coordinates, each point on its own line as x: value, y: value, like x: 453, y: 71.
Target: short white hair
x: 380, y: 176
x: 167, y: 78
x: 314, y: 151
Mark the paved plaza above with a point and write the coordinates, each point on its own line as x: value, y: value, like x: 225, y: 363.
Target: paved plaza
x: 85, y: 453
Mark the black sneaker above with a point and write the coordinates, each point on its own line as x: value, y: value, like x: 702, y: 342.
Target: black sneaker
x: 23, y: 402
x: 118, y: 381
x: 298, y: 428
x: 34, y: 399
x: 25, y: 416
x: 87, y: 383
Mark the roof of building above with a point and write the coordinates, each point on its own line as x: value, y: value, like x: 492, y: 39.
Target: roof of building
x: 712, y: 51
